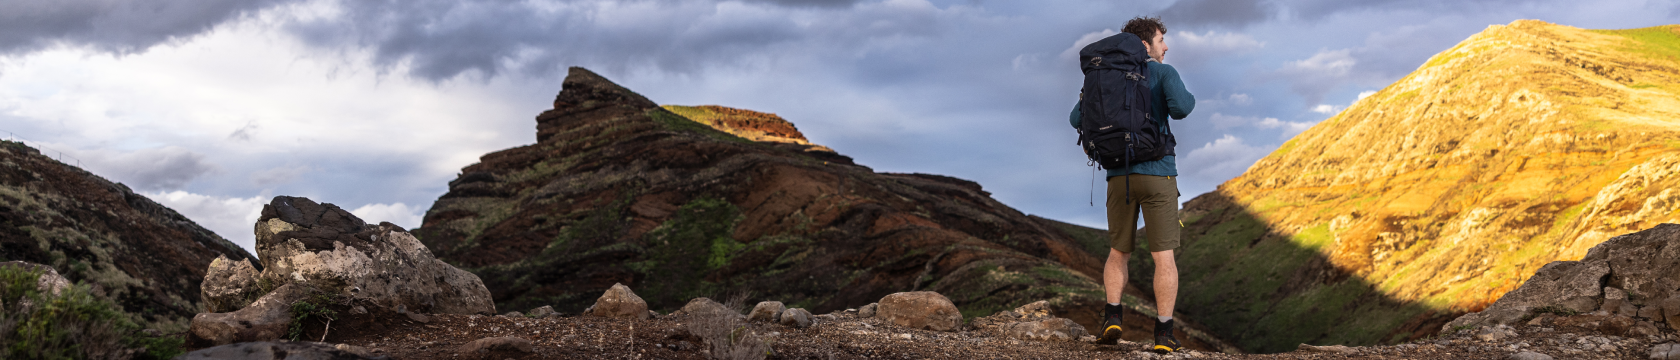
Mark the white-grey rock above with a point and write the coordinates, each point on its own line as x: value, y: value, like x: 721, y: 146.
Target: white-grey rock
x: 229, y: 284
x: 324, y: 246
x: 868, y: 311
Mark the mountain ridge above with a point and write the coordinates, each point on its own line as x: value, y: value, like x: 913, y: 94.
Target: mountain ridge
x: 1524, y: 144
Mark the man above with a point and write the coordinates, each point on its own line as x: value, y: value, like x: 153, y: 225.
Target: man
x: 1153, y: 192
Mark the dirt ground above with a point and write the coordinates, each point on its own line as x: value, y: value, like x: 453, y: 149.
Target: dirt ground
x: 845, y: 336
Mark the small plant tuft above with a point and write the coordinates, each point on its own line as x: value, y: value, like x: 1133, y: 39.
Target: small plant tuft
x: 315, y: 306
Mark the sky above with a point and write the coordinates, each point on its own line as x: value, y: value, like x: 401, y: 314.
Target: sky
x: 213, y: 107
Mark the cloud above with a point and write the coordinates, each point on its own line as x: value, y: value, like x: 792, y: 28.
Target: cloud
x: 279, y: 175
x: 1072, y: 52
x: 1216, y: 13
x: 155, y: 169
x: 1290, y: 128
x: 231, y: 217
x: 1366, y: 93
x: 1326, y: 109
x: 442, y: 39
x: 117, y: 26
x: 1191, y: 49
x: 1314, y: 76
x: 1224, y: 158
x: 398, y: 213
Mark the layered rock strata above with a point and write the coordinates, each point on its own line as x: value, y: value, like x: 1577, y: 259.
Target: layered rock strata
x: 620, y: 190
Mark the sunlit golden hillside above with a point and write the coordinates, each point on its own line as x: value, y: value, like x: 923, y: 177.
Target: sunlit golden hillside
x: 1526, y: 143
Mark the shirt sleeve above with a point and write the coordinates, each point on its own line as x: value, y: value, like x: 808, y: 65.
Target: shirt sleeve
x: 1179, y: 100
x: 1074, y: 117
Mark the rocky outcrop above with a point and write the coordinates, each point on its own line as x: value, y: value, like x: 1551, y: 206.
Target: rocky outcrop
x: 325, y: 247
x: 1635, y: 275
x: 319, y: 250
x: 618, y: 190
x: 1525, y: 144
x: 143, y: 256
x: 920, y: 310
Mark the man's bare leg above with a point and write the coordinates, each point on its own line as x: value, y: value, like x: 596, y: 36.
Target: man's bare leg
x: 1114, y: 275
x: 1166, y: 282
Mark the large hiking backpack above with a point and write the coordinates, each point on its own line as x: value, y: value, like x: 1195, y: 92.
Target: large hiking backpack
x: 1116, y: 129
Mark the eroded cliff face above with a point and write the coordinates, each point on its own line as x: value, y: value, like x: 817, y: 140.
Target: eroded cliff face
x: 1525, y: 144
x: 147, y: 258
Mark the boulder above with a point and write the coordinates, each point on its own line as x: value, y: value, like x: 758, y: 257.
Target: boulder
x: 920, y: 310
x: 1671, y: 311
x: 263, y: 320
x: 620, y: 302
x: 1059, y: 329
x: 229, y: 285
x: 543, y: 312
x: 1337, y: 349
x: 494, y: 345
x: 796, y: 317
x: 1643, y: 263
x: 274, y: 350
x: 768, y: 311
x: 324, y: 246
x: 868, y: 311
x: 1528, y: 355
x: 1669, y: 351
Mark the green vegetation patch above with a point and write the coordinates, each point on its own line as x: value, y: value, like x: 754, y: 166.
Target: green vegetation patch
x: 693, y: 243
x: 72, y: 324
x: 1659, y: 42
x: 672, y: 121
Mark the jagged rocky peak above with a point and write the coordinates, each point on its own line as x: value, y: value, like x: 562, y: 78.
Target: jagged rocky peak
x: 583, y: 91
x: 620, y: 191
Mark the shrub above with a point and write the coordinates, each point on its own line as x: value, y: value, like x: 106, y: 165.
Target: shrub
x: 727, y: 336
x: 72, y: 324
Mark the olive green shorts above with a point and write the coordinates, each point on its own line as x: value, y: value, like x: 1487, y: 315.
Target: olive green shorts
x: 1156, y: 197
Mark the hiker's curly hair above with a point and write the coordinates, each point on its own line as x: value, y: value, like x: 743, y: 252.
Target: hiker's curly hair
x: 1145, y: 28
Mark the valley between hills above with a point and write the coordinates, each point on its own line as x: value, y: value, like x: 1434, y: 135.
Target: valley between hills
x: 1526, y: 145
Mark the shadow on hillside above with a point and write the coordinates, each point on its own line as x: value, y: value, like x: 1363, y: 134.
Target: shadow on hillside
x: 1265, y: 292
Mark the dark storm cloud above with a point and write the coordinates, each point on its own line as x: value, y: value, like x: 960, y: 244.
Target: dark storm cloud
x: 811, y: 3
x: 156, y: 169
x: 118, y: 26
x: 1198, y: 14
x: 437, y: 39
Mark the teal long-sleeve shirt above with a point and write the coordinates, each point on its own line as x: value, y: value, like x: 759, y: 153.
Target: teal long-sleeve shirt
x: 1167, y: 97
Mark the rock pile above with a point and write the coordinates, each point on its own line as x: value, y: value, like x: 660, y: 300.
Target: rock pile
x: 1031, y: 321
x: 309, y: 248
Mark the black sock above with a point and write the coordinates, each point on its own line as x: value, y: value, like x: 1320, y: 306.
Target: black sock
x: 1112, y: 310
x: 1166, y: 326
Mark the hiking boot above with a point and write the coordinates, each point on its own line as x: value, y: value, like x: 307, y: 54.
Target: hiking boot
x: 1165, y: 343
x: 1111, y: 326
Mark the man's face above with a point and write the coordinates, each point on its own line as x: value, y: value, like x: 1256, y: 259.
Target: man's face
x: 1157, y: 47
